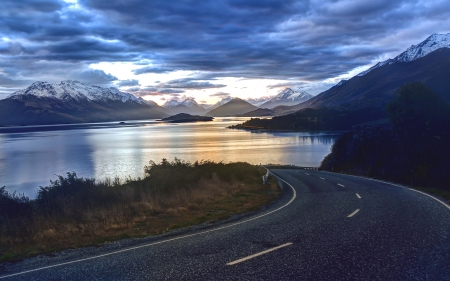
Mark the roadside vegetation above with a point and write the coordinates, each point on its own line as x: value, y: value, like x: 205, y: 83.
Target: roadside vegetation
x: 74, y: 211
x: 316, y: 119
x: 414, y: 150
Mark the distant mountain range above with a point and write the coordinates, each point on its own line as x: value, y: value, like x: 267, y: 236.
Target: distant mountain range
x: 187, y: 105
x: 73, y: 102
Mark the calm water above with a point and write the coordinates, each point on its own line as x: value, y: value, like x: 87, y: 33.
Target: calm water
x: 29, y: 159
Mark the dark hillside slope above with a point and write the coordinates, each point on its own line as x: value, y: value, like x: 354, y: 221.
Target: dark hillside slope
x: 378, y: 87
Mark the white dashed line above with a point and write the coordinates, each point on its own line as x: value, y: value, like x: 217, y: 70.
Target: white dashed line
x: 357, y: 195
x: 352, y: 214
x: 259, y: 254
x: 307, y: 174
x: 341, y: 185
x: 322, y: 178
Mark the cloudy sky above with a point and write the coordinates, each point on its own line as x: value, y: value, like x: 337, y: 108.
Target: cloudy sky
x: 161, y: 49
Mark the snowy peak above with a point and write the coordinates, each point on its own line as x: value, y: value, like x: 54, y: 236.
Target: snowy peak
x: 431, y: 44
x: 287, y: 97
x: 258, y: 101
x: 74, y: 90
x: 188, y: 102
x: 186, y: 105
x: 290, y: 95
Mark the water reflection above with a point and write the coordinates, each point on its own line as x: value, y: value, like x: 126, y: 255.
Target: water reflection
x: 28, y: 160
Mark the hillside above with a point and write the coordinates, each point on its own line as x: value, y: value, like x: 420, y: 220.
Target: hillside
x: 234, y: 107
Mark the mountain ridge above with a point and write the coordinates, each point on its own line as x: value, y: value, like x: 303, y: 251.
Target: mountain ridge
x: 71, y: 102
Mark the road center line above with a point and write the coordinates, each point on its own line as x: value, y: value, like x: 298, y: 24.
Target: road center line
x: 352, y: 214
x: 259, y: 254
x: 294, y: 195
x: 322, y: 178
x: 357, y: 195
x: 341, y: 185
x: 307, y: 174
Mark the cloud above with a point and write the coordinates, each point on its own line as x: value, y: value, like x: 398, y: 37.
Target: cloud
x: 170, y: 91
x: 129, y: 82
x: 190, y: 83
x: 152, y: 69
x: 285, y: 40
x: 133, y: 89
x: 220, y: 94
x: 288, y: 84
x: 94, y: 76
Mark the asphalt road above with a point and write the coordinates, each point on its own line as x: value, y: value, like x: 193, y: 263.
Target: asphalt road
x: 324, y: 227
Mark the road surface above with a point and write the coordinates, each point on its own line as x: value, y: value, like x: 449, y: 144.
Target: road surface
x: 325, y: 226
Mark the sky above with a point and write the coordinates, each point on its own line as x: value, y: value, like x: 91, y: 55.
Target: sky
x: 161, y: 49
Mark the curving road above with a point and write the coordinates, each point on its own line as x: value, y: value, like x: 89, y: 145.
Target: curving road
x: 325, y: 226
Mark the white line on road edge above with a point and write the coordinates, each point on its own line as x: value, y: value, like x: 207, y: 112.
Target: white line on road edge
x: 164, y: 241
x: 259, y: 254
x: 402, y: 186
x: 321, y: 178
x: 352, y: 214
x: 341, y: 185
x: 357, y: 195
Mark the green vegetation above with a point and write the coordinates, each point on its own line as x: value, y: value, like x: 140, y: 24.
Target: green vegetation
x: 316, y: 119
x: 415, y: 151
x: 75, y: 212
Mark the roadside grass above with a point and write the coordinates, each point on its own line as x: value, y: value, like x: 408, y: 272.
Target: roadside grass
x: 75, y: 212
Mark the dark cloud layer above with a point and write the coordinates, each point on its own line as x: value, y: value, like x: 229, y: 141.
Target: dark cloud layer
x: 280, y: 39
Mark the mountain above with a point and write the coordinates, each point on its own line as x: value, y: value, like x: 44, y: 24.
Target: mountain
x: 379, y: 85
x: 258, y: 101
x: 186, y: 105
x: 286, y: 97
x: 235, y: 106
x: 219, y: 103
x: 73, y: 102
x: 431, y: 44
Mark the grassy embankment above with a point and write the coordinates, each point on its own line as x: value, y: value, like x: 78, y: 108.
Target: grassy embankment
x: 74, y: 212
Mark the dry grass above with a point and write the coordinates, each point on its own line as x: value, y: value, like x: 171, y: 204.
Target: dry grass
x: 114, y: 210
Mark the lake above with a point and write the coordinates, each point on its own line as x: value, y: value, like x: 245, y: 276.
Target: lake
x: 31, y: 156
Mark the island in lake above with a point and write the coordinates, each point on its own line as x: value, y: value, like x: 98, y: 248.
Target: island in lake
x: 184, y: 117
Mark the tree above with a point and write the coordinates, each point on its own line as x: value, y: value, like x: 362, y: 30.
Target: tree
x: 420, y: 118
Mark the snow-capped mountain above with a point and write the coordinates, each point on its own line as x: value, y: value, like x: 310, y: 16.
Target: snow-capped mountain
x: 73, y: 102
x: 185, y: 105
x: 258, y: 101
x: 74, y: 90
x: 287, y: 97
x: 431, y: 44
x: 188, y: 101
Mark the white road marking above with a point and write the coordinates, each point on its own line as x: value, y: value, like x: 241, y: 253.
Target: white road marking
x: 307, y: 174
x: 259, y: 254
x: 357, y: 195
x: 322, y: 178
x: 164, y: 241
x: 352, y: 214
x: 341, y: 185
x: 390, y: 183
